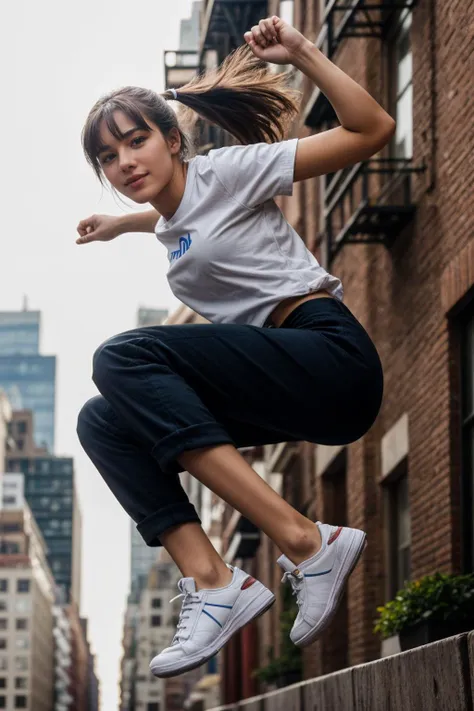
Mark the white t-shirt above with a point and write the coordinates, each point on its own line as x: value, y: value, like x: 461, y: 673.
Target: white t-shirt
x: 233, y: 256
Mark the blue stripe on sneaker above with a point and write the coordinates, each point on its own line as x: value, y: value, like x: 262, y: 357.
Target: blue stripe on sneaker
x: 315, y: 575
x: 205, y: 612
x: 214, y: 604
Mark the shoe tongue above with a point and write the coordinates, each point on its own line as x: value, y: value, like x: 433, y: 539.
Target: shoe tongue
x: 286, y: 564
x: 187, y: 585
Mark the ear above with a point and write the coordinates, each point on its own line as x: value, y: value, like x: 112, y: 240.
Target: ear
x: 174, y: 141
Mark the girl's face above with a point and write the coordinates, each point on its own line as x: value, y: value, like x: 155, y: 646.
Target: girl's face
x: 139, y: 165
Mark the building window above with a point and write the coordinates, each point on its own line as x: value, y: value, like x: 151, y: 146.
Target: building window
x: 11, y: 527
x: 22, y: 643
x: 23, y: 586
x: 23, y: 605
x: 3, y: 643
x: 153, y: 706
x: 156, y: 602
x: 21, y: 663
x: 156, y: 621
x: 22, y: 623
x: 467, y: 385
x: 3, y: 663
x: 3, y: 585
x: 20, y: 702
x: 3, y: 682
x: 3, y: 606
x: 3, y: 624
x: 399, y: 529
x: 402, y: 95
x: 3, y: 702
x: 8, y: 547
x: 21, y: 682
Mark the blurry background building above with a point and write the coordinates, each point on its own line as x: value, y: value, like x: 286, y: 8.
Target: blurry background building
x: 27, y: 377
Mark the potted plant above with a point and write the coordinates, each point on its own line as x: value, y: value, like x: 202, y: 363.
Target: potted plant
x: 429, y: 609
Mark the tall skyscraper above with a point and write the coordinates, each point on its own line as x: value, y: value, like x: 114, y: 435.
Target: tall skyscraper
x: 27, y: 377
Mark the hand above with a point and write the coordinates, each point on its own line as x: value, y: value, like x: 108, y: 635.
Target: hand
x: 98, y: 228
x: 274, y: 40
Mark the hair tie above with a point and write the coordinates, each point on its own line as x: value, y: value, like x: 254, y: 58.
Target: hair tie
x: 174, y: 93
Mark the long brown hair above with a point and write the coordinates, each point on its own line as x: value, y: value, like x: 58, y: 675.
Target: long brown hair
x: 241, y: 96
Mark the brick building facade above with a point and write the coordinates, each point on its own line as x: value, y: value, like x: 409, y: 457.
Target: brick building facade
x: 409, y: 279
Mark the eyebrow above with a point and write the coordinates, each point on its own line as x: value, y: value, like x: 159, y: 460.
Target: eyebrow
x: 124, y: 137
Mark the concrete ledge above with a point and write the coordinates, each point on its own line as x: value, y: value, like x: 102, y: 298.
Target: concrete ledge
x: 288, y: 699
x: 436, y: 677
x: 429, y: 677
x: 333, y: 691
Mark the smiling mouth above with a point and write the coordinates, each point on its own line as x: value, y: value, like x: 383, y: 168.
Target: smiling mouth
x: 137, y: 181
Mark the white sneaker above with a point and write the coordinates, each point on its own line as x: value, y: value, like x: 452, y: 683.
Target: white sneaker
x: 319, y: 582
x: 208, y: 619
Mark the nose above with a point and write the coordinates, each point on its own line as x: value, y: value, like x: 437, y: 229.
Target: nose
x: 126, y: 161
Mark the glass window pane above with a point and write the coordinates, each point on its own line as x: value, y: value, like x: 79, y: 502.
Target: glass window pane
x: 404, y: 57
x: 404, y: 132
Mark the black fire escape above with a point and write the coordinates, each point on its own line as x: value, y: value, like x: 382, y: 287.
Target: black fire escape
x: 226, y: 21
x: 370, y: 202
x: 223, y: 25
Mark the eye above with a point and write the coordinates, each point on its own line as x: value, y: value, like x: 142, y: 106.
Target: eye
x: 138, y: 140
x: 107, y: 158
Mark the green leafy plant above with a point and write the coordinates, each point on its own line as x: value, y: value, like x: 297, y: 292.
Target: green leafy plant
x: 437, y: 598
x: 290, y: 661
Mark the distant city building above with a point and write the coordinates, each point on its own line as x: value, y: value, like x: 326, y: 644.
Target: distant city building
x: 50, y: 492
x: 13, y: 491
x: 151, y: 317
x: 5, y: 426
x: 26, y: 620
x: 28, y: 378
x: 62, y: 659
x: 93, y: 694
x: 143, y: 556
x: 189, y: 28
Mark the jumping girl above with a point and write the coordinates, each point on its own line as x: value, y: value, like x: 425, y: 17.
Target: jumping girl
x: 283, y: 358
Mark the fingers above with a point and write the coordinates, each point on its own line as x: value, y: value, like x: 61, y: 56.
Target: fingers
x: 264, y: 34
x: 85, y: 230
x: 86, y: 236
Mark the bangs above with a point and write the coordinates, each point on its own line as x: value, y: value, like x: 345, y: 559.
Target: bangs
x: 91, y: 140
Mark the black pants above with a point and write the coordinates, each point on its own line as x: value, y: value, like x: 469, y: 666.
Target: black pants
x: 168, y: 389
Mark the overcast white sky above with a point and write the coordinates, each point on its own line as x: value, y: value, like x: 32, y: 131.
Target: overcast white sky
x: 56, y: 59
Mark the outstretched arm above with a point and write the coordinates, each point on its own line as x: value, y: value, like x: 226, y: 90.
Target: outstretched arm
x: 103, y: 228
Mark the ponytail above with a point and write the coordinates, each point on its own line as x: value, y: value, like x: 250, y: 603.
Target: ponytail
x: 243, y: 97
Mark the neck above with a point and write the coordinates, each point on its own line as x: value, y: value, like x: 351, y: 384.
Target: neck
x: 168, y: 200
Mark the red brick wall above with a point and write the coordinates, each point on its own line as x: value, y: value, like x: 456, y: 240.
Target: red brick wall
x: 404, y: 297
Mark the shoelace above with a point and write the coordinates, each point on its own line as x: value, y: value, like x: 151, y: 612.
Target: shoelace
x: 296, y: 582
x: 189, y: 599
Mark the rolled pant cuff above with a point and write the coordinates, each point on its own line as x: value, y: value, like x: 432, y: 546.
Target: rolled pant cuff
x: 157, y: 523
x: 205, y: 434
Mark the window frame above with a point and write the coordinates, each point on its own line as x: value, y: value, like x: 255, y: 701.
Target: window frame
x: 391, y: 484
x: 466, y: 426
x: 394, y: 97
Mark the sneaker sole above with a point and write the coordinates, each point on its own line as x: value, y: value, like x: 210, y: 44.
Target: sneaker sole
x: 263, y: 601
x: 349, y: 562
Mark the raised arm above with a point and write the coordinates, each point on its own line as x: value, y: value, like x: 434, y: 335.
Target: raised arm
x: 365, y: 125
